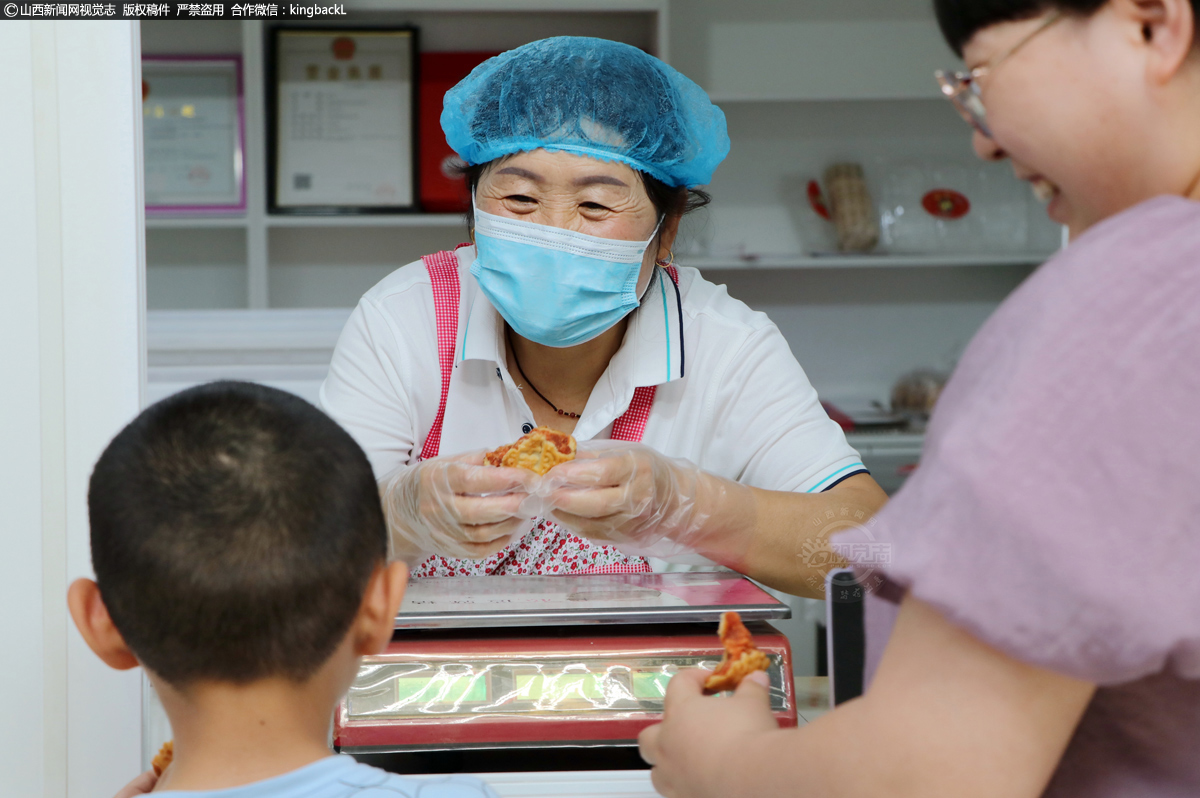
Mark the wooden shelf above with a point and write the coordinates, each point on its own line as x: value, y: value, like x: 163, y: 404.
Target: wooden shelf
x: 866, y: 261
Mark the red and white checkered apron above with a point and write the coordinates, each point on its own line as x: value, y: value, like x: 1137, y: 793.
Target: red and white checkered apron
x: 547, y: 548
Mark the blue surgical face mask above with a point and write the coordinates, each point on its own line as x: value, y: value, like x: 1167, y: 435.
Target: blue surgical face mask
x: 553, y: 286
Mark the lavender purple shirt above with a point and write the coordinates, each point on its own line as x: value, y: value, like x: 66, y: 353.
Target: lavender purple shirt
x: 1056, y: 512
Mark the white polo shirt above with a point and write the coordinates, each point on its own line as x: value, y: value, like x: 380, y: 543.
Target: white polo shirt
x: 730, y: 396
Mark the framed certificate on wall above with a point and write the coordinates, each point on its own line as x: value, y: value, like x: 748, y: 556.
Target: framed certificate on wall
x: 341, y: 119
x: 193, y: 135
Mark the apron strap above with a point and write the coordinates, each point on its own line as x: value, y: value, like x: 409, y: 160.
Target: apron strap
x: 632, y: 424
x: 443, y: 274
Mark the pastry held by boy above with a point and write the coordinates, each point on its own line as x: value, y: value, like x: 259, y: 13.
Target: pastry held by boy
x: 240, y: 557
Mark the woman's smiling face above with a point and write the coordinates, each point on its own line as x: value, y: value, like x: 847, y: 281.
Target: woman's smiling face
x: 1080, y: 111
x: 606, y: 199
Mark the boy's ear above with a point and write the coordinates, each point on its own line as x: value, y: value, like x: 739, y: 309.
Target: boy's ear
x: 377, y: 616
x: 94, y: 624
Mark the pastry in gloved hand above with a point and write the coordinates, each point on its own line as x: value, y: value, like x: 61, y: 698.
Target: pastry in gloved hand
x: 741, y: 659
x: 539, y: 451
x: 633, y: 497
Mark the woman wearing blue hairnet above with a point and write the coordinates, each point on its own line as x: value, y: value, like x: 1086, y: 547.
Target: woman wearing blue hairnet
x: 700, y: 438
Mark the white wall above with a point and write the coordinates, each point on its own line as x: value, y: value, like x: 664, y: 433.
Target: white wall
x: 695, y: 23
x: 71, y: 299
x: 22, y: 727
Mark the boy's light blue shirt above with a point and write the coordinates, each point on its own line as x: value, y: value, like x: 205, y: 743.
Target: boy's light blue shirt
x: 342, y: 777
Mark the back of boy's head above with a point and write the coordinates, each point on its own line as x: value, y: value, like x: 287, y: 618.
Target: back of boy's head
x: 234, y: 528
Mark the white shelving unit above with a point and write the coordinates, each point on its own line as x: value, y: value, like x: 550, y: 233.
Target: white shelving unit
x: 802, y: 86
x: 263, y: 261
x: 754, y: 262
x: 193, y: 223
x: 370, y: 220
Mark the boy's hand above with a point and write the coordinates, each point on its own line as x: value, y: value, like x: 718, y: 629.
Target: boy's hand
x: 139, y: 786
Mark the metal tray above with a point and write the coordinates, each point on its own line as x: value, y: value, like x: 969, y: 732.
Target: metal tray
x: 495, y: 601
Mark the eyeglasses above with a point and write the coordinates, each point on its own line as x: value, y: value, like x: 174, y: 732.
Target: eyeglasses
x: 962, y: 88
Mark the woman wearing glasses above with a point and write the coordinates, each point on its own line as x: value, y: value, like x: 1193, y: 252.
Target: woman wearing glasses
x: 1037, y: 629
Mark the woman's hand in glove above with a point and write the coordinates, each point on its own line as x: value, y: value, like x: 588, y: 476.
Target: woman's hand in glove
x: 455, y: 507
x: 629, y: 494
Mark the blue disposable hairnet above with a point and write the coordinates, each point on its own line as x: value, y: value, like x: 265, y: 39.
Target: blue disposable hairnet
x: 592, y: 97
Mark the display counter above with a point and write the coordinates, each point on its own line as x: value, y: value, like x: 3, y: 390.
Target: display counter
x: 548, y: 662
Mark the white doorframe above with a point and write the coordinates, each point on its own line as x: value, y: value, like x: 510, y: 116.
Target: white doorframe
x: 72, y: 360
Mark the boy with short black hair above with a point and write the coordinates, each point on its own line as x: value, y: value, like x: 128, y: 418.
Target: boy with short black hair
x: 241, y: 558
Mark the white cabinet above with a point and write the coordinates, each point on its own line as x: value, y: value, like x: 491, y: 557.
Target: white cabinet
x: 286, y: 349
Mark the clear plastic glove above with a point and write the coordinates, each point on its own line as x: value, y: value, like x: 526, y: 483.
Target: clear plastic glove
x: 455, y: 507
x: 629, y: 495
